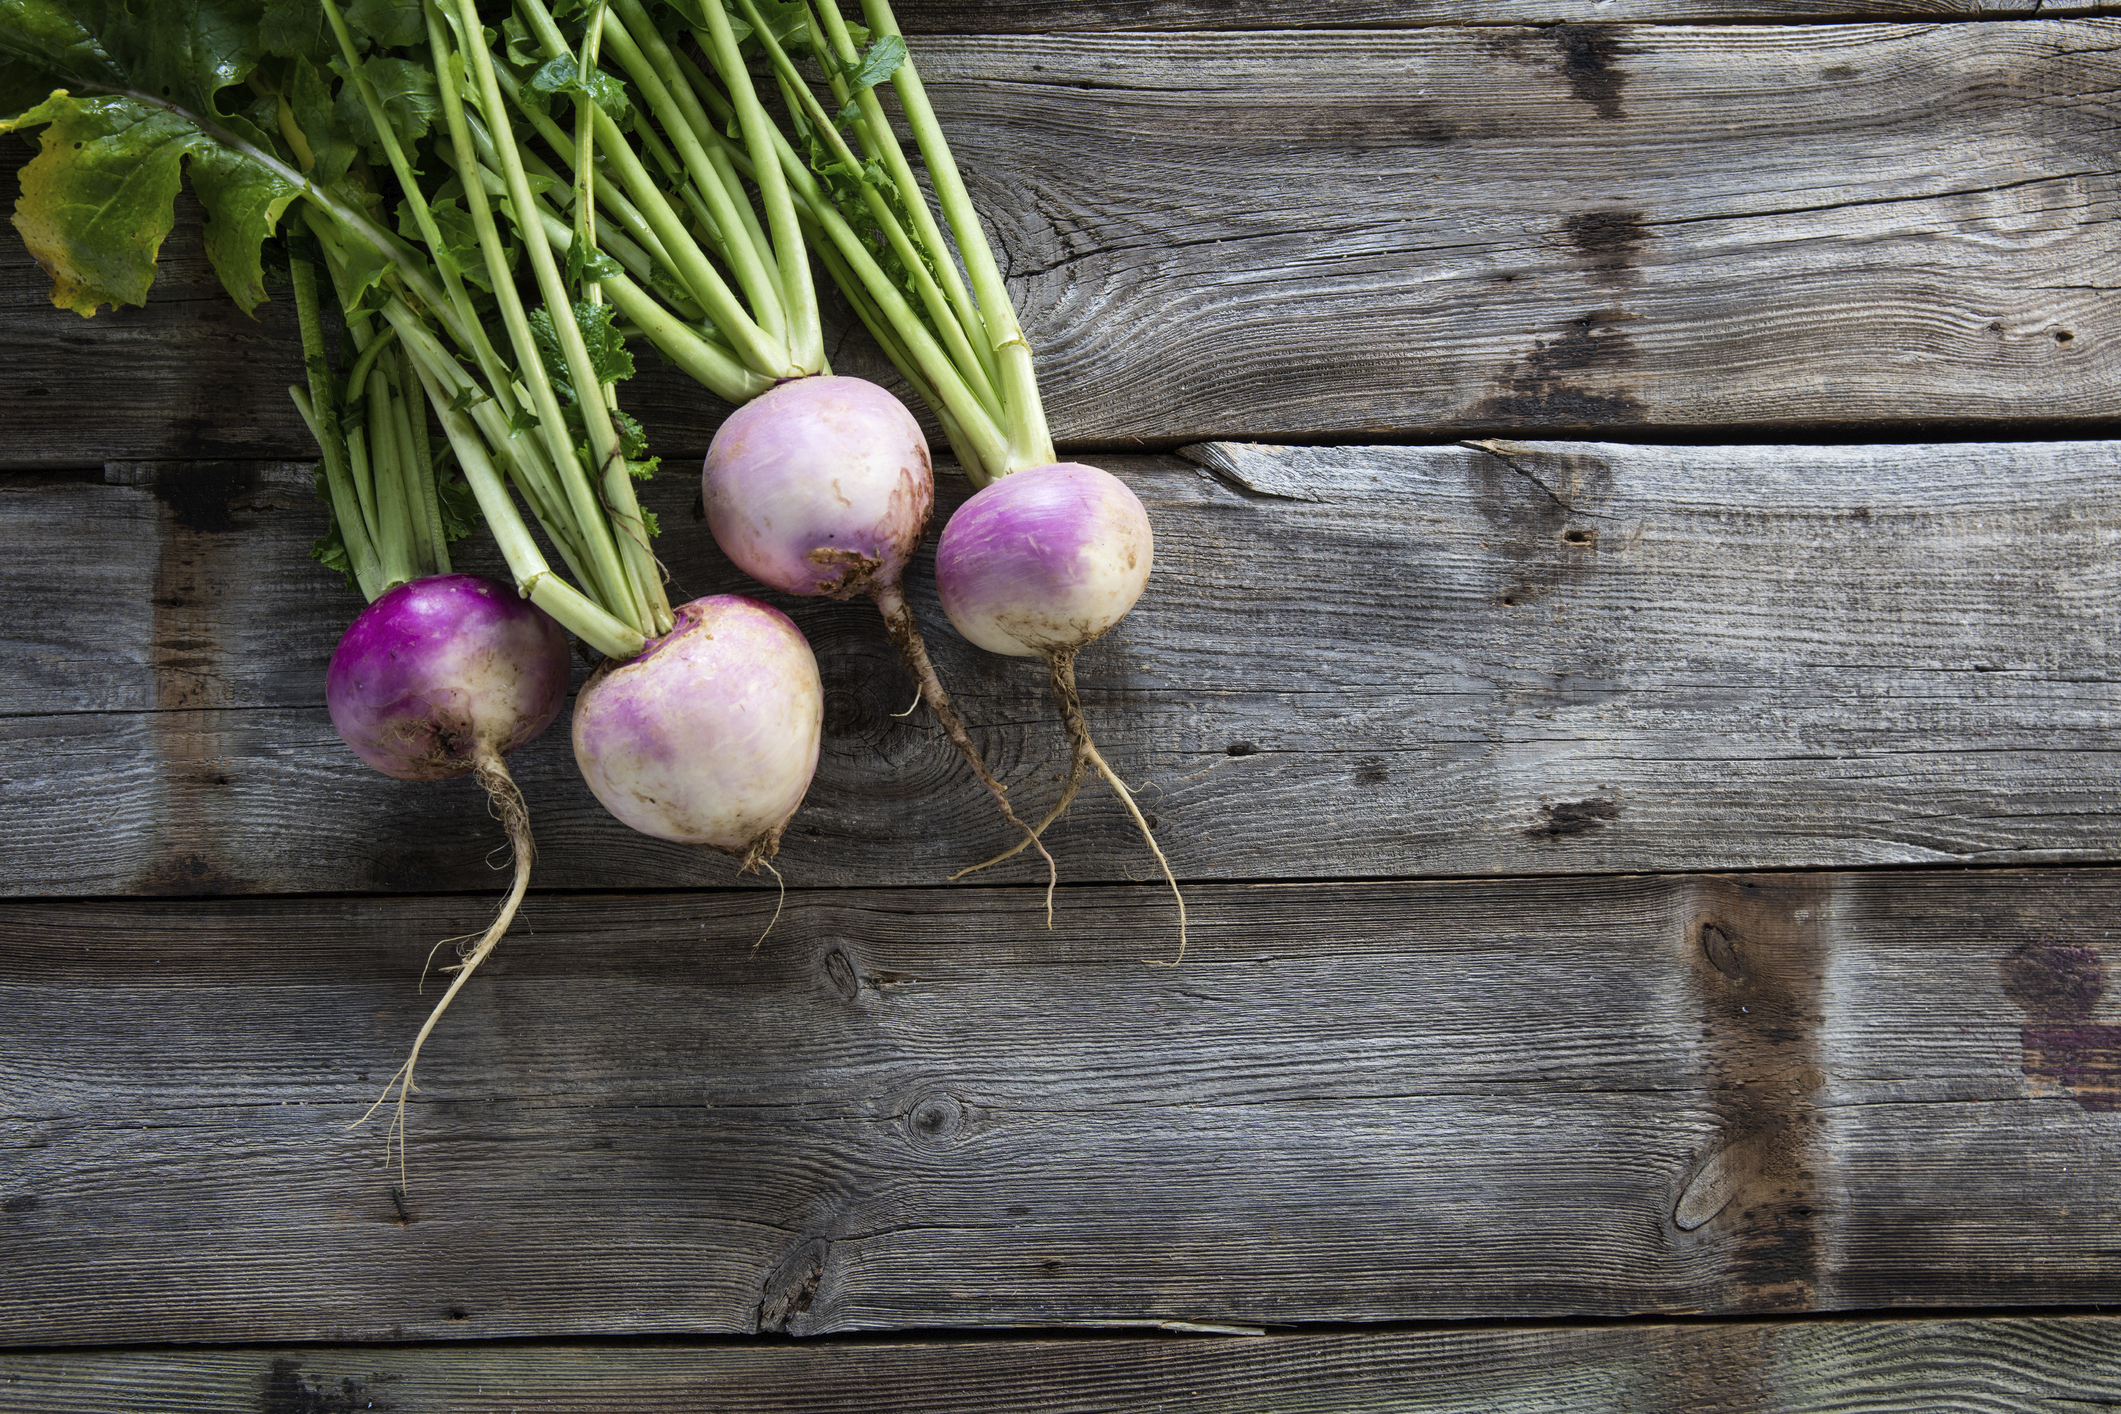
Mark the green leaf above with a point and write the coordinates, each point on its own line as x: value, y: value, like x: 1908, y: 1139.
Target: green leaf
x: 633, y: 438
x: 97, y: 200
x: 308, y: 95
x: 649, y: 523
x: 523, y: 51
x: 785, y: 18
x: 879, y: 63
x: 460, y: 248
x: 585, y: 261
x: 244, y: 203
x: 409, y: 94
x: 392, y: 24
x: 95, y: 203
x: 561, y: 75
x: 297, y: 29
x: 609, y: 358
x: 42, y: 46
x: 459, y: 506
x: 469, y: 396
x: 363, y: 275
x: 521, y: 421
x: 643, y: 470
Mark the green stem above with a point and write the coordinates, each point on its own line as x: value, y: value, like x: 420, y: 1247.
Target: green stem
x: 625, y: 216
x: 585, y: 125
x: 466, y: 316
x: 878, y: 134
x: 393, y: 514
x: 518, y: 456
x: 534, y: 578
x: 806, y: 336
x: 422, y: 462
x: 746, y: 261
x: 708, y: 364
x: 940, y: 317
x: 409, y: 469
x: 606, y: 578
x: 320, y: 409
x: 1030, y: 443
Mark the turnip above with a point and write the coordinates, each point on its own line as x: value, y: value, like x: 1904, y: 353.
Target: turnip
x: 431, y: 313
x: 823, y: 487
x: 710, y: 736
x: 1048, y: 555
x: 1041, y: 563
x: 441, y: 677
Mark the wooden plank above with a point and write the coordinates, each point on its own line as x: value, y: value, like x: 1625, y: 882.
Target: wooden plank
x: 1514, y: 658
x: 2034, y: 1365
x: 919, y: 1109
x: 956, y: 17
x: 1406, y: 233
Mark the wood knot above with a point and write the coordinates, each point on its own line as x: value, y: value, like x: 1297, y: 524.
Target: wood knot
x: 935, y: 1121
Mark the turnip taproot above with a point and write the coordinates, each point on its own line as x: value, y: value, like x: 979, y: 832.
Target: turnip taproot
x: 441, y: 677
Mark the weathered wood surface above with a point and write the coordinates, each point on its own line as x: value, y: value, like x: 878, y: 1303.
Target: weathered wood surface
x: 1327, y: 236
x: 2036, y: 1366
x: 918, y: 1109
x: 956, y: 17
x: 1514, y: 658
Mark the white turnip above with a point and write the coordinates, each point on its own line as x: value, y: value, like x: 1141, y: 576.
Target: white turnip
x: 710, y: 735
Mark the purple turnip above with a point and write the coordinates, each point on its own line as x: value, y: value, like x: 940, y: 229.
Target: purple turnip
x: 710, y: 735
x: 441, y: 677
x: 1041, y: 563
x: 823, y: 487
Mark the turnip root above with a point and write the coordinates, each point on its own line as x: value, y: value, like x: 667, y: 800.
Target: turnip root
x: 1041, y: 563
x: 439, y: 677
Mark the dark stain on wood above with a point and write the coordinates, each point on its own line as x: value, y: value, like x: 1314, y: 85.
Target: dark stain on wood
x: 2058, y: 985
x: 1371, y: 771
x: 1758, y: 949
x: 1545, y: 387
x: 1575, y: 817
x: 287, y: 1392
x: 202, y: 496
x: 1536, y: 500
x: 1588, y: 60
x: 1355, y: 126
x: 202, y: 504
x: 19, y: 1203
x: 1607, y: 244
x: 2054, y: 982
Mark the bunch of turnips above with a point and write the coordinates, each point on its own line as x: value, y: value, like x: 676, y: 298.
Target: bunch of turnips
x: 498, y: 202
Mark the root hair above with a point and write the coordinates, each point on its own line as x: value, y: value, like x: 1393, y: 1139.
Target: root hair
x: 508, y: 807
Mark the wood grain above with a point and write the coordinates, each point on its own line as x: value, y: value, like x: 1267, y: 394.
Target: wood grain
x: 2033, y: 1365
x: 912, y: 1109
x: 956, y: 17
x: 1506, y: 658
x: 1401, y: 234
